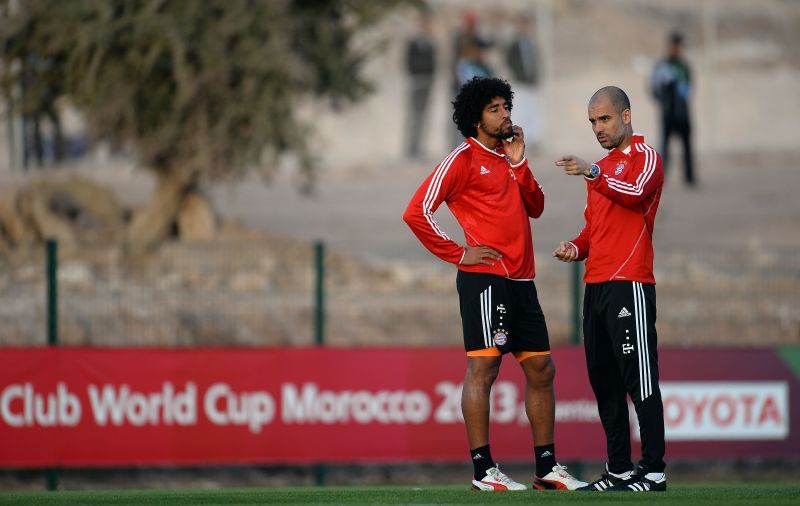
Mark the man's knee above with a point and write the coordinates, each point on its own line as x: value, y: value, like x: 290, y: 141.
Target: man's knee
x: 539, y: 371
x: 483, y: 370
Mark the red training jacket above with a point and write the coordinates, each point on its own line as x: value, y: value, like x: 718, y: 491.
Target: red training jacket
x: 492, y: 201
x: 621, y: 205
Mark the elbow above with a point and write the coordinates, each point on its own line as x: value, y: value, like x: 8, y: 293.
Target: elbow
x: 633, y: 202
x: 537, y: 209
x: 408, y: 217
x: 628, y: 201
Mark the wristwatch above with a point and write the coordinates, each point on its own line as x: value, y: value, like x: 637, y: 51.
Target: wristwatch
x: 594, y: 171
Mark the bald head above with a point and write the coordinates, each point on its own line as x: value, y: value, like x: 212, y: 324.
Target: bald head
x: 619, y: 100
x: 610, y: 116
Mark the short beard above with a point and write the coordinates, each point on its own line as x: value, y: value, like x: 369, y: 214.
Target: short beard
x: 504, y: 134
x: 613, y: 143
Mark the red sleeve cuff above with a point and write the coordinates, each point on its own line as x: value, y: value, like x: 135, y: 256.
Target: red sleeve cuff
x: 522, y: 162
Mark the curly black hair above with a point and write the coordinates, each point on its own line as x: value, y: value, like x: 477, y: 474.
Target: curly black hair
x: 473, y: 96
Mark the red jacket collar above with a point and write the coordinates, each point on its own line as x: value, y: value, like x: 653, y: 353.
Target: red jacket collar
x: 635, y: 139
x: 472, y: 141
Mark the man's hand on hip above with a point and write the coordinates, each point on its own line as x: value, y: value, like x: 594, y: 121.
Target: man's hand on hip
x: 474, y: 255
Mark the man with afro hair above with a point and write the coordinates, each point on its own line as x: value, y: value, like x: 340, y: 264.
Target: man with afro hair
x: 487, y: 185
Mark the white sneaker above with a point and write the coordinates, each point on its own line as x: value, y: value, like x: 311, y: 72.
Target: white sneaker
x: 557, y: 479
x: 496, y: 480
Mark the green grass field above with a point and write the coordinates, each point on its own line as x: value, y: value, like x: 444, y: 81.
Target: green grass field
x: 724, y: 494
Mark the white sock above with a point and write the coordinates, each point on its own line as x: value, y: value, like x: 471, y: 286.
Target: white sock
x: 624, y: 476
x: 655, y: 476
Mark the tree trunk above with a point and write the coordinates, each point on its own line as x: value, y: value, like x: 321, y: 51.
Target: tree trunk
x: 11, y: 224
x: 196, y: 220
x: 152, y: 224
x: 48, y: 224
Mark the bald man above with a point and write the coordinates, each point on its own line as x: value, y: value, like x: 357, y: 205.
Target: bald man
x: 619, y: 306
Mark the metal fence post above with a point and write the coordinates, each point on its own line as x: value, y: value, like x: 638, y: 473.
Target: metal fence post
x: 576, y: 302
x: 51, y: 475
x: 319, y: 293
x: 52, y: 292
x: 320, y: 470
x: 577, y: 284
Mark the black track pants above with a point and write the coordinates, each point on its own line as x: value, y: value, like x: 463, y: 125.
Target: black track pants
x: 619, y: 327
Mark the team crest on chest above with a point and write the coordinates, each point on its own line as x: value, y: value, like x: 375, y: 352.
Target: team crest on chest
x: 619, y: 169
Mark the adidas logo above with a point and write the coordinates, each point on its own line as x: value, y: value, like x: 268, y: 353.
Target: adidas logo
x: 602, y: 485
x: 484, y: 170
x: 477, y: 457
x: 623, y: 313
x: 547, y: 453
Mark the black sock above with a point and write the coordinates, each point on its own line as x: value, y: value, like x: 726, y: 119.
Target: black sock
x: 545, y: 459
x: 482, y: 461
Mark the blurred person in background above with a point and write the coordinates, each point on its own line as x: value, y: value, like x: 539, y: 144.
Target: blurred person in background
x: 487, y: 185
x: 472, y: 64
x: 467, y: 59
x: 619, y: 305
x: 672, y: 87
x: 467, y: 35
x: 421, y: 67
x: 39, y: 92
x: 522, y: 57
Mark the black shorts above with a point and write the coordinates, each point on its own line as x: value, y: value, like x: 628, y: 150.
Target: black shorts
x: 500, y: 315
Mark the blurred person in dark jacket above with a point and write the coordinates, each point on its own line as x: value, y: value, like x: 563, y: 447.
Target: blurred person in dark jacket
x: 469, y: 48
x: 472, y: 64
x: 421, y: 68
x: 40, y: 89
x: 522, y: 58
x: 672, y: 87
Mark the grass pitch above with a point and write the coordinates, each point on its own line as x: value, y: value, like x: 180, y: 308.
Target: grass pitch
x: 723, y: 494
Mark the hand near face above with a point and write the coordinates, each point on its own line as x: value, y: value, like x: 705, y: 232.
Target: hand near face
x: 515, y: 150
x: 573, y: 165
x: 566, y: 252
x: 479, y: 254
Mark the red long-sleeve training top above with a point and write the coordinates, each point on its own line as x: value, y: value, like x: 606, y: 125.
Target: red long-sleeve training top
x: 492, y: 201
x: 621, y: 206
